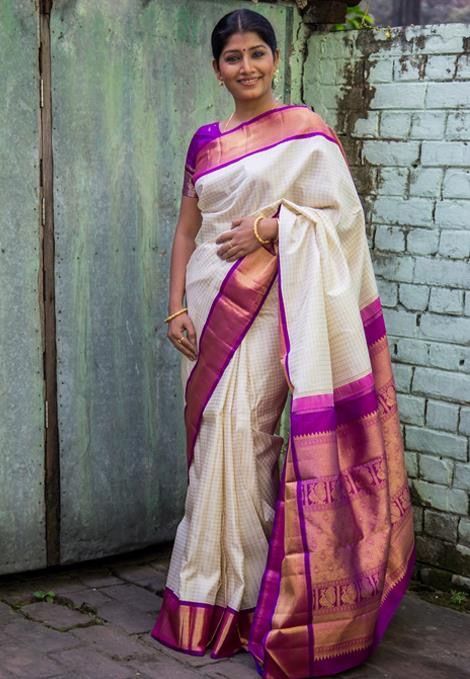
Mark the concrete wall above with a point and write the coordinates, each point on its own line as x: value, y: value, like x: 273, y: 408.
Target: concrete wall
x: 400, y: 99
x: 130, y: 84
x: 22, y: 508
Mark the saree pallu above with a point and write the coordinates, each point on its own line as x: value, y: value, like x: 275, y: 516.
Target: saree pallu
x: 303, y: 568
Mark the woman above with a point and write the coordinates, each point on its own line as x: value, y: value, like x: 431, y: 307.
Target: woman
x: 303, y: 570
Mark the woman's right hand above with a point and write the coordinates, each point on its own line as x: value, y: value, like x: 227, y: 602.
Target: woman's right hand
x: 182, y: 334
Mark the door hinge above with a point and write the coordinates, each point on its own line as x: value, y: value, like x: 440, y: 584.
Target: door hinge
x: 42, y: 93
x: 46, y: 412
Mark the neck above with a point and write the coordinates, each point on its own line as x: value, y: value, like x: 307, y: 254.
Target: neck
x: 249, y: 109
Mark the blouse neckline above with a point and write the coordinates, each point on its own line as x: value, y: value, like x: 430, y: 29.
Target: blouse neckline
x: 257, y: 117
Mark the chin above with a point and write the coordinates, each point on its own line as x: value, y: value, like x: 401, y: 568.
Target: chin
x: 252, y: 94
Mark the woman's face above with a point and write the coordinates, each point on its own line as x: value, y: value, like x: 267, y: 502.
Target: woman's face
x: 246, y: 66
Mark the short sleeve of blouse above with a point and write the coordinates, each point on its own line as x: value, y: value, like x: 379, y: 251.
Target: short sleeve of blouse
x: 189, y: 167
x: 200, y: 138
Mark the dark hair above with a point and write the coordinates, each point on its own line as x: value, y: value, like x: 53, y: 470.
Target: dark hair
x: 241, y: 21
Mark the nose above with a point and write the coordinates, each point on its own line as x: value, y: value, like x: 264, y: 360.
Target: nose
x: 246, y: 64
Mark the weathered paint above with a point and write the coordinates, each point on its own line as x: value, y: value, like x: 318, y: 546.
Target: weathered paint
x: 131, y: 83
x: 22, y: 532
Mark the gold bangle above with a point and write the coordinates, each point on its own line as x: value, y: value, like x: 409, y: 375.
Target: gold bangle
x: 255, y: 231
x: 177, y: 313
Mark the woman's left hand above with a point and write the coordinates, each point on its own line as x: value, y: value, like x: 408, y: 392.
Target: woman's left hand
x: 241, y: 240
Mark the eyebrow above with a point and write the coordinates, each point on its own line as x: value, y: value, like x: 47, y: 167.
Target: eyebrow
x: 250, y: 48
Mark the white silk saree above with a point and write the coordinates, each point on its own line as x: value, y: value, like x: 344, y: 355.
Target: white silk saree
x: 303, y: 568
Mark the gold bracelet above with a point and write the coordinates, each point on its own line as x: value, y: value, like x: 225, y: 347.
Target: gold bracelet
x: 255, y: 231
x: 177, y: 313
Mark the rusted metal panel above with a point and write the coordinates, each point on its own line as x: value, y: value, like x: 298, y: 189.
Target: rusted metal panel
x: 22, y: 530
x: 131, y: 83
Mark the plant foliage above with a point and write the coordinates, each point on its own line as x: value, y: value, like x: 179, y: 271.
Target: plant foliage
x: 458, y: 598
x: 44, y: 596
x: 356, y: 18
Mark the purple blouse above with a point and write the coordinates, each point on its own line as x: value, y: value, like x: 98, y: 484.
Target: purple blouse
x: 202, y: 136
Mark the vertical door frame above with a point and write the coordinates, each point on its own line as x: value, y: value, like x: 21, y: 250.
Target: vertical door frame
x: 52, y: 459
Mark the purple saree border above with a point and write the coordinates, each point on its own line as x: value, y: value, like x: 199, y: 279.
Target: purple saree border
x: 391, y: 603
x: 354, y: 389
x: 349, y: 401
x: 386, y: 612
x: 375, y: 330
x: 295, y: 463
x: 361, y: 401
x: 306, y: 135
x: 341, y: 412
x: 346, y: 661
x: 283, y: 317
x: 371, y: 310
x: 224, y: 283
x: 175, y: 647
x: 323, y: 412
x: 171, y: 600
x: 274, y: 559
x: 308, y: 575
x: 230, y: 353
x: 373, y: 321
x: 324, y: 401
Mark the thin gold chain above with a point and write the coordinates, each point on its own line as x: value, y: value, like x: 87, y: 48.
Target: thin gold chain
x: 278, y: 103
x: 228, y: 122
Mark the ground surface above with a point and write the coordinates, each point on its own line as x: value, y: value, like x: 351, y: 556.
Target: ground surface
x: 97, y: 626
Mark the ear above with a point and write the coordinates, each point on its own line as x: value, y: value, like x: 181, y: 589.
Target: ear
x: 277, y: 57
x: 215, y: 67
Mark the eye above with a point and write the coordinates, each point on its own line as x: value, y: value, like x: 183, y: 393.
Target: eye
x: 258, y: 53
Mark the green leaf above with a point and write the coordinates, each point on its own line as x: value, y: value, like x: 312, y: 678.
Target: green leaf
x: 47, y: 596
x: 458, y: 598
x: 356, y: 19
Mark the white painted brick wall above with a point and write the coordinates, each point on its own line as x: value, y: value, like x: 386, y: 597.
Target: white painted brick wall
x: 444, y: 416
x: 436, y: 469
x: 409, y: 120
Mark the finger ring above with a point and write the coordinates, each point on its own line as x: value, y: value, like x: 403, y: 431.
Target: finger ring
x: 180, y: 339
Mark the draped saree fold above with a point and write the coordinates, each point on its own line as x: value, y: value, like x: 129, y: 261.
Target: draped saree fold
x: 303, y: 568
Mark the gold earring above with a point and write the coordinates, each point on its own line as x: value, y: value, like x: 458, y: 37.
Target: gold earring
x: 275, y: 78
x: 221, y: 83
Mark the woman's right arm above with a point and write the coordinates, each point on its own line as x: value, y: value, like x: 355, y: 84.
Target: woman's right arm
x: 181, y: 329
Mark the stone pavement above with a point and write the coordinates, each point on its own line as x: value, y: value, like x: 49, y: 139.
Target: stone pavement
x: 96, y: 625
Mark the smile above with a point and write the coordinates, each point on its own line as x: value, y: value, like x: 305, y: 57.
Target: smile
x: 249, y: 81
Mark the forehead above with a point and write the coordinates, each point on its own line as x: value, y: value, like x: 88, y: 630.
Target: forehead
x: 239, y: 41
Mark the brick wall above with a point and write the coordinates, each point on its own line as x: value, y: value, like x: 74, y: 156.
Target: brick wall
x: 400, y: 99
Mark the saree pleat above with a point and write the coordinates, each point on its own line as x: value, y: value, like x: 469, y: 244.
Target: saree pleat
x: 221, y: 543
x: 304, y: 570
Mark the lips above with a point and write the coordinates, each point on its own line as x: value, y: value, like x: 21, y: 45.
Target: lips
x: 249, y: 81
